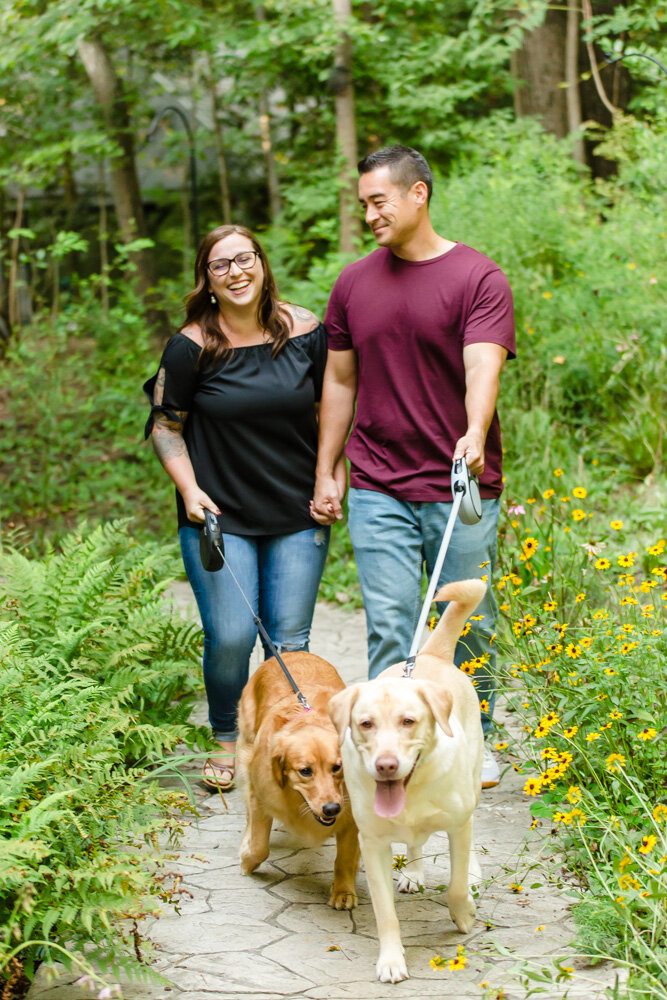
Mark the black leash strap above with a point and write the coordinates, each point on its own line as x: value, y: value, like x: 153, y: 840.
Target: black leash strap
x: 212, y: 552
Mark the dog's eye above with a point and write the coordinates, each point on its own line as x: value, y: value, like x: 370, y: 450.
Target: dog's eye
x: 408, y: 722
x: 365, y: 724
x: 337, y: 768
x: 306, y: 772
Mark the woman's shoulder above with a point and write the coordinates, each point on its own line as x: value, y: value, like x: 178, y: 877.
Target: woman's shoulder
x: 192, y: 332
x: 303, y: 320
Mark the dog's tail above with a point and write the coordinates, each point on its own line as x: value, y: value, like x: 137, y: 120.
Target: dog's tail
x: 463, y: 597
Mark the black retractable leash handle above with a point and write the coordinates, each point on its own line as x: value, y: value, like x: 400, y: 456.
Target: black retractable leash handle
x: 467, y: 505
x: 212, y: 553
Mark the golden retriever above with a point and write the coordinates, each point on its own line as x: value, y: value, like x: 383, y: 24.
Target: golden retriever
x: 290, y: 767
x: 412, y: 752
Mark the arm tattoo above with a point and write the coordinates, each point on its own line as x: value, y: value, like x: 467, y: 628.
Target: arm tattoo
x: 167, y: 437
x: 303, y: 314
x: 158, y: 392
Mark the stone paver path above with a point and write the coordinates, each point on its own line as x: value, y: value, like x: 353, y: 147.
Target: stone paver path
x: 271, y: 936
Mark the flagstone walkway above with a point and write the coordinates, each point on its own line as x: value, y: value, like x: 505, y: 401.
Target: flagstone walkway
x: 271, y: 936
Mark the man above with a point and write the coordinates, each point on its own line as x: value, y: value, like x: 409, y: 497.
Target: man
x: 418, y: 333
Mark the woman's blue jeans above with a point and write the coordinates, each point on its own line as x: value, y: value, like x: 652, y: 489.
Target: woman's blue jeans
x: 280, y: 575
x: 393, y: 540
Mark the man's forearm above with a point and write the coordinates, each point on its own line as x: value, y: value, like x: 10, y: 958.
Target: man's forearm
x: 336, y: 414
x: 482, y: 388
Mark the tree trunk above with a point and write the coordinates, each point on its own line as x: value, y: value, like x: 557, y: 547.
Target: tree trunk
x: 572, y: 80
x: 275, y: 201
x: 124, y: 181
x: 346, y: 134
x: 13, y: 295
x: 219, y: 143
x: 552, y: 56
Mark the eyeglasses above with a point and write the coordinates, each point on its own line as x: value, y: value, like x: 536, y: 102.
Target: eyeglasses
x: 245, y: 260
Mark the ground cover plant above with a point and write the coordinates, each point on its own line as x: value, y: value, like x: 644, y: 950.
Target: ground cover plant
x: 582, y: 591
x: 96, y: 688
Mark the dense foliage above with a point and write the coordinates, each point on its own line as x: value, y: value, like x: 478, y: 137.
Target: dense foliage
x: 96, y: 688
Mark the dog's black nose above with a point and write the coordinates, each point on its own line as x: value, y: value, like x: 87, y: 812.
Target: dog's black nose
x: 331, y: 808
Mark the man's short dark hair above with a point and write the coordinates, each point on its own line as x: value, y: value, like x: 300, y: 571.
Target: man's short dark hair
x: 406, y: 166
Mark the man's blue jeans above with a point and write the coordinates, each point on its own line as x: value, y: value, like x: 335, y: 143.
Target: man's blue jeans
x: 280, y: 575
x: 393, y: 540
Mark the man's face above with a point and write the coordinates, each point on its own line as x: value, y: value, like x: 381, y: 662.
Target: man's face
x: 391, y: 212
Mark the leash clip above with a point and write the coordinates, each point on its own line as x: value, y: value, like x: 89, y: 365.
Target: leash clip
x: 409, y: 666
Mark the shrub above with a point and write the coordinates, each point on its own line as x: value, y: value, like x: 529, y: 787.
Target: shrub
x: 96, y: 685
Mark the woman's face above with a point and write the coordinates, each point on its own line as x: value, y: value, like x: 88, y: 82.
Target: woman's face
x: 241, y: 285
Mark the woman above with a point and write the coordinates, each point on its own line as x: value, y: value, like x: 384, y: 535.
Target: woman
x: 234, y: 424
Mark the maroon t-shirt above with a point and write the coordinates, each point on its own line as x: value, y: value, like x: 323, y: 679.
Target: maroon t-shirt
x: 408, y: 322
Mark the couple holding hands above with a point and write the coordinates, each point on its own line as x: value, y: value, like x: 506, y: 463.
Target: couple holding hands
x: 251, y: 408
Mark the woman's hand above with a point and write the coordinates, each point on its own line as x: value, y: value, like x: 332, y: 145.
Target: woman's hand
x: 196, y: 502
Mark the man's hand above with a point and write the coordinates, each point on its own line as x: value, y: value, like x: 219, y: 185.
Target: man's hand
x: 325, y: 507
x: 471, y: 447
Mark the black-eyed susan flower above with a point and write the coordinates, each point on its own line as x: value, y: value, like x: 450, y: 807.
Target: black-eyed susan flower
x: 591, y: 737
x: 550, y: 605
x: 626, y: 559
x: 515, y: 887
x: 573, y: 794
x: 616, y: 525
x: 548, y: 494
x: 628, y: 881
x: 399, y: 862
x: 660, y: 813
x: 578, y: 514
x: 647, y: 844
x: 484, y: 705
x: 558, y: 472
x: 657, y: 549
x: 579, y: 492
x: 580, y: 597
x: 602, y: 563
x: 609, y: 671
x: 615, y: 714
x: 570, y: 732
x: 649, y: 733
x: 573, y: 650
x: 437, y: 962
x: 455, y: 964
x: 533, y: 786
x: 614, y: 762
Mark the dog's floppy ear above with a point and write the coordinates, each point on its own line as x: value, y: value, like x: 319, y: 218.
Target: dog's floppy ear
x: 278, y: 764
x: 439, y: 701
x: 340, y: 708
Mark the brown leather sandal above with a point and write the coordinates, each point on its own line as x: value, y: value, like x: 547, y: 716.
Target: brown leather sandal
x: 219, y: 777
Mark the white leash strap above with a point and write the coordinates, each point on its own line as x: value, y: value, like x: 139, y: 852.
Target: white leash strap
x: 435, y: 576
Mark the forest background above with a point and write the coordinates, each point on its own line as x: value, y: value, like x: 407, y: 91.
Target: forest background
x: 128, y: 128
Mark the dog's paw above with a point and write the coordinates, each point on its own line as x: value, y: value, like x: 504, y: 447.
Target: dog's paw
x: 462, y: 912
x: 410, y: 881
x: 391, y: 968
x: 250, y: 861
x: 343, y: 899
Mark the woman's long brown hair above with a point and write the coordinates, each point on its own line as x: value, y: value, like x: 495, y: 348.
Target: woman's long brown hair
x: 201, y: 310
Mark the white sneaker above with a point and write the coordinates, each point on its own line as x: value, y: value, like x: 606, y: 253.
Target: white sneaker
x: 490, y: 769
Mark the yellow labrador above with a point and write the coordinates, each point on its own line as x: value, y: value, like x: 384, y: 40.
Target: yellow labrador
x: 412, y: 755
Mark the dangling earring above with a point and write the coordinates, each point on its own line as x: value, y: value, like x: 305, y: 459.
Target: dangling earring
x: 213, y: 298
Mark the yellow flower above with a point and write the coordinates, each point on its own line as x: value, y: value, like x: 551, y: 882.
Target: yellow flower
x: 460, y: 961
x: 573, y: 794
x: 573, y: 651
x: 592, y: 736
x: 530, y: 546
x: 549, y: 605
x: 570, y: 732
x: 484, y: 705
x: 616, y: 525
x: 586, y: 642
x: 660, y: 813
x: 533, y: 786
x: 626, y: 559
x: 558, y: 472
x: 614, y: 762
x: 580, y: 597
x: 647, y: 844
x: 548, y: 494
x: 502, y: 746
x: 658, y: 548
x: 546, y: 295
x: 578, y: 514
x: 609, y: 671
x: 540, y: 928
x: 602, y: 563
x: 437, y: 962
x: 579, y: 492
x: 562, y: 817
x: 627, y: 881
x: 515, y: 887
x: 399, y: 862
x: 615, y: 714
x: 647, y: 734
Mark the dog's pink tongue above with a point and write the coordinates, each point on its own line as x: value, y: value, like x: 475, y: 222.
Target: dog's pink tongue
x: 389, y: 798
